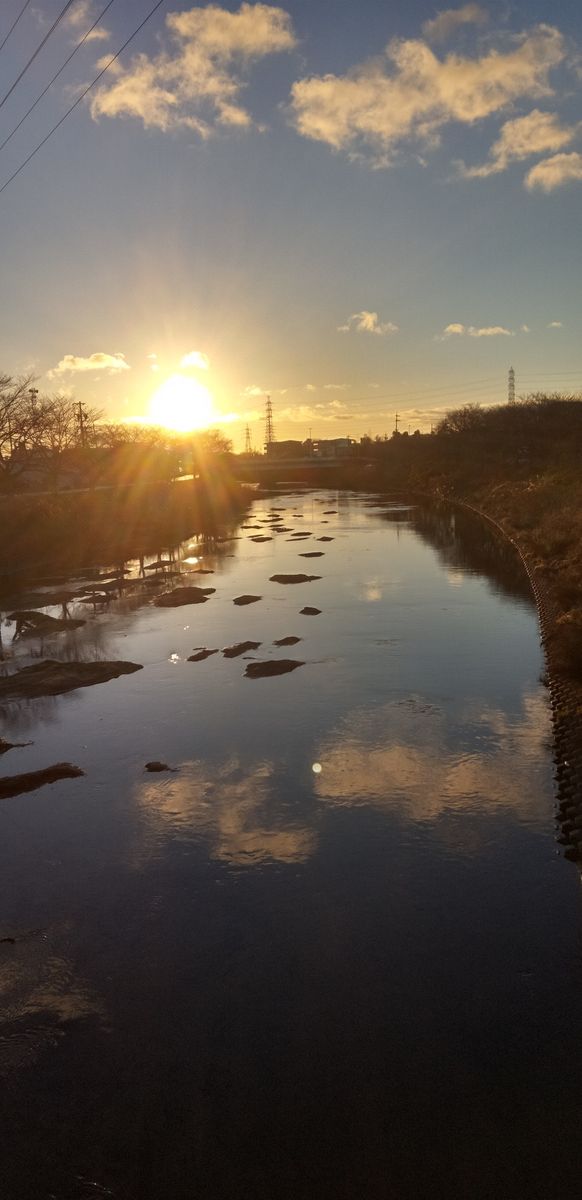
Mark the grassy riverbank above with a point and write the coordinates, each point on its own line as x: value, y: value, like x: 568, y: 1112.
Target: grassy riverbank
x: 51, y: 534
x: 519, y: 464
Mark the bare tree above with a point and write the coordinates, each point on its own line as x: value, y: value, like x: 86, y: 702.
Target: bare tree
x: 19, y: 421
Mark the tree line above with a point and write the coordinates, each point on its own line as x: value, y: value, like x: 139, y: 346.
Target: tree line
x: 45, y: 432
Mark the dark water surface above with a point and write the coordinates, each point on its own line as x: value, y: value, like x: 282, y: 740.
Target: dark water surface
x: 336, y: 954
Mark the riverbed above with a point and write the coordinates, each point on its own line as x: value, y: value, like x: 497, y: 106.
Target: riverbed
x: 332, y: 949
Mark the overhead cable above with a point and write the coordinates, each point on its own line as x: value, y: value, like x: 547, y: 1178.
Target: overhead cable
x: 56, y: 75
x: 82, y: 96
x: 14, y: 23
x: 44, y: 41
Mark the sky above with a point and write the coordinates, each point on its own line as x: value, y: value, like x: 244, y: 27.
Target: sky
x: 359, y: 209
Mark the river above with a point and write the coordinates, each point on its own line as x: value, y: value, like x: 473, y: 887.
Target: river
x: 335, y: 953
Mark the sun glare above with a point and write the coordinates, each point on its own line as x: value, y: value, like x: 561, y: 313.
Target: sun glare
x: 182, y: 404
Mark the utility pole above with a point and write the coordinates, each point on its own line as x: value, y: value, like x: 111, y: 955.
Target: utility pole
x: 511, y: 386
x: 396, y: 419
x: 248, y: 446
x: 81, y: 419
x: 269, y: 429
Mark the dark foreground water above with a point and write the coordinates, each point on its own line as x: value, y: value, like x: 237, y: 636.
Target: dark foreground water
x: 336, y: 955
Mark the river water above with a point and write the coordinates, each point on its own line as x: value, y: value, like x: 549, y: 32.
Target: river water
x: 335, y: 953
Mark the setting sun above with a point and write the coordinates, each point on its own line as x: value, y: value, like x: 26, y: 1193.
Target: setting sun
x: 182, y: 404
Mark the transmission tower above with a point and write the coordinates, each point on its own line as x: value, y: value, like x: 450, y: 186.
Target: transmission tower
x: 248, y: 446
x: 511, y: 387
x: 269, y: 431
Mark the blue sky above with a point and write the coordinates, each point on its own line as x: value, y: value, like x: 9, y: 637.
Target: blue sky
x: 359, y: 209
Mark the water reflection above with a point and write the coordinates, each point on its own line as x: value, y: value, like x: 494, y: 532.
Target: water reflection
x: 40, y: 995
x: 465, y: 543
x: 410, y: 756
x: 233, y: 809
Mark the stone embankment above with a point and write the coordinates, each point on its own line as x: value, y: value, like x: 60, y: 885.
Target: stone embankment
x: 566, y: 707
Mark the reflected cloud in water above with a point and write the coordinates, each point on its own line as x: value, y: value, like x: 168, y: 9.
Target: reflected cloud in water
x: 233, y: 809
x: 396, y: 757
x: 40, y: 994
x: 372, y: 591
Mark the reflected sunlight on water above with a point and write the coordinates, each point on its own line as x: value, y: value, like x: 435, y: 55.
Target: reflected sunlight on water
x: 328, y: 949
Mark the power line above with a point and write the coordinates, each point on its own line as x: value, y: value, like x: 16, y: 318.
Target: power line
x: 56, y: 75
x: 82, y: 96
x: 44, y: 41
x: 14, y: 24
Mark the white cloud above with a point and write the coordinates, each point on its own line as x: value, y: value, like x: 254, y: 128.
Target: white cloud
x: 336, y: 387
x: 367, y: 322
x: 196, y: 358
x: 555, y: 325
x: 554, y: 172
x: 81, y: 16
x: 490, y: 331
x: 525, y: 329
x: 253, y: 389
x: 197, y: 82
x: 536, y: 133
x: 458, y: 330
x: 448, y: 22
x: 407, y: 96
x: 310, y: 387
x: 112, y: 363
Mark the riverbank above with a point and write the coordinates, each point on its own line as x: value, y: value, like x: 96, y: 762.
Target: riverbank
x: 518, y: 466
x: 555, y: 581
x: 51, y: 534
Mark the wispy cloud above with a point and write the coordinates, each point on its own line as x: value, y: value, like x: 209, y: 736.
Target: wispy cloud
x: 303, y: 414
x: 446, y: 23
x: 195, y: 358
x: 458, y: 330
x: 367, y: 322
x: 555, y: 325
x: 112, y: 363
x: 253, y: 390
x: 80, y: 17
x: 197, y: 81
x: 405, y: 98
x: 521, y: 138
x: 554, y: 172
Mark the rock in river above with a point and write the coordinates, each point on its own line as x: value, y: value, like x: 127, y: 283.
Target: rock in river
x: 239, y: 648
x: 155, y: 767
x: 15, y: 785
x: 50, y: 678
x: 273, y: 666
x: 183, y: 595
x: 312, y: 554
x: 309, y: 612
x: 293, y: 578
x: 201, y: 654
x: 6, y: 746
x: 35, y: 624
x: 240, y: 600
x: 287, y: 641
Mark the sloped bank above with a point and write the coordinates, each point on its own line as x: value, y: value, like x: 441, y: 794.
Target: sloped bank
x: 565, y: 700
